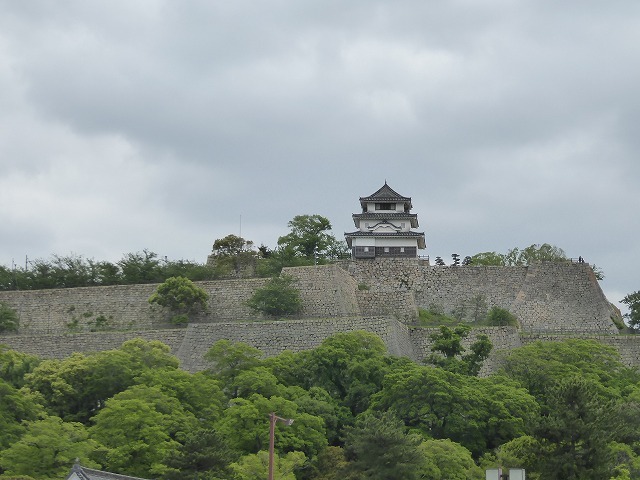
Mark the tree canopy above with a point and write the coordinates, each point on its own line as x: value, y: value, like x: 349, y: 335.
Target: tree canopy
x: 632, y: 300
x: 562, y: 410
x: 526, y: 256
x: 181, y: 296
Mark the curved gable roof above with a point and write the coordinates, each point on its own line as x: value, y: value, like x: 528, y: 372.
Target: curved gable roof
x: 386, y: 193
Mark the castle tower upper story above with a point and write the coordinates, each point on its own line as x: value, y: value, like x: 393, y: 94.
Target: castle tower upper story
x: 385, y: 227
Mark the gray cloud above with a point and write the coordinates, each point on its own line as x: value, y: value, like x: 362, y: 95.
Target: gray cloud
x: 160, y: 125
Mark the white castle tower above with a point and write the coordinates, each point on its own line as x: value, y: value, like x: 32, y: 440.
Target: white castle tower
x: 384, y: 227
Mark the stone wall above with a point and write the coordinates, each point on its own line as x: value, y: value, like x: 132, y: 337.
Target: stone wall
x: 549, y: 297
x: 122, y: 307
x: 63, y: 345
x: 563, y: 297
x: 326, y: 291
x: 380, y: 295
x: 191, y: 343
x: 273, y: 337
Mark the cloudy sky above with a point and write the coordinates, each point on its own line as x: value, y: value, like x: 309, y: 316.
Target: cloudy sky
x: 164, y: 125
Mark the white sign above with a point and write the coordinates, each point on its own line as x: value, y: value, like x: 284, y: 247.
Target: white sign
x: 516, y: 474
x: 493, y: 474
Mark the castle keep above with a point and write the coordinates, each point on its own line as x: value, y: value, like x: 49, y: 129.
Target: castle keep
x: 379, y: 290
x: 385, y: 227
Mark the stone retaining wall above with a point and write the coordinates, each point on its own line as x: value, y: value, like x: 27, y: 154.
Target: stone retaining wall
x: 380, y: 295
x: 191, y: 343
x: 121, y: 307
x: 273, y: 337
x: 548, y: 297
x: 326, y: 291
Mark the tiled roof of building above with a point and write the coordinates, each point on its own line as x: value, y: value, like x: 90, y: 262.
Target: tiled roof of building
x: 84, y: 473
x: 418, y: 235
x: 412, y: 217
x: 383, y: 234
x: 386, y: 193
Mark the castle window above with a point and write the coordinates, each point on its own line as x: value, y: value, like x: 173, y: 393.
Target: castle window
x: 385, y: 206
x: 366, y: 249
x: 402, y: 249
x: 386, y: 249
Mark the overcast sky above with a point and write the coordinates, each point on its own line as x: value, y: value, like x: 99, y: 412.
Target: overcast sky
x: 164, y: 125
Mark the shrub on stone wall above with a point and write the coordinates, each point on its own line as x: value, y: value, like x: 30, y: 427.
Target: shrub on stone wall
x: 434, y: 316
x: 501, y: 317
x: 181, y: 296
x: 278, y: 297
x: 9, y: 320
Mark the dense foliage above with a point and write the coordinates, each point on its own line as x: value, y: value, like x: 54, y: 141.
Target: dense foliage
x: 307, y: 243
x: 9, y: 320
x: 526, y: 256
x: 532, y: 254
x: 633, y: 317
x: 278, y: 297
x: 77, y: 271
x: 181, y: 297
x: 566, y: 410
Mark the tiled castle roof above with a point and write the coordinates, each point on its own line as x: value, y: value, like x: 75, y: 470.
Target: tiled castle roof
x: 412, y: 217
x: 386, y: 194
x: 418, y: 235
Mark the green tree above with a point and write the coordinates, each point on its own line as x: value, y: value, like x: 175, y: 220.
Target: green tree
x: 478, y: 308
x: 256, y: 380
x: 229, y: 359
x: 576, y: 429
x: 331, y: 464
x: 245, y: 425
x: 203, y: 454
x: 317, y: 401
x: 378, y: 447
x: 501, y: 317
x: 9, y: 320
x: 140, y: 267
x: 198, y: 393
x: 8, y: 278
x: 523, y: 452
x: 488, y: 258
x: 181, y: 296
x: 48, y: 448
x: 534, y: 253
x: 16, y: 408
x: 445, y: 459
x: 283, y: 256
x: 478, y: 413
x: 278, y: 297
x: 189, y: 269
x: 140, y: 427
x: 76, y: 387
x: 15, y: 365
x: 448, y: 350
x: 539, y: 365
x: 351, y: 367
x: 626, y: 461
x: 233, y: 253
x: 256, y: 466
x: 309, y: 238
x: 633, y: 317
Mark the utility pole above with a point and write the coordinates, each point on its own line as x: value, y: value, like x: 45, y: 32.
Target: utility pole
x: 273, y: 418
